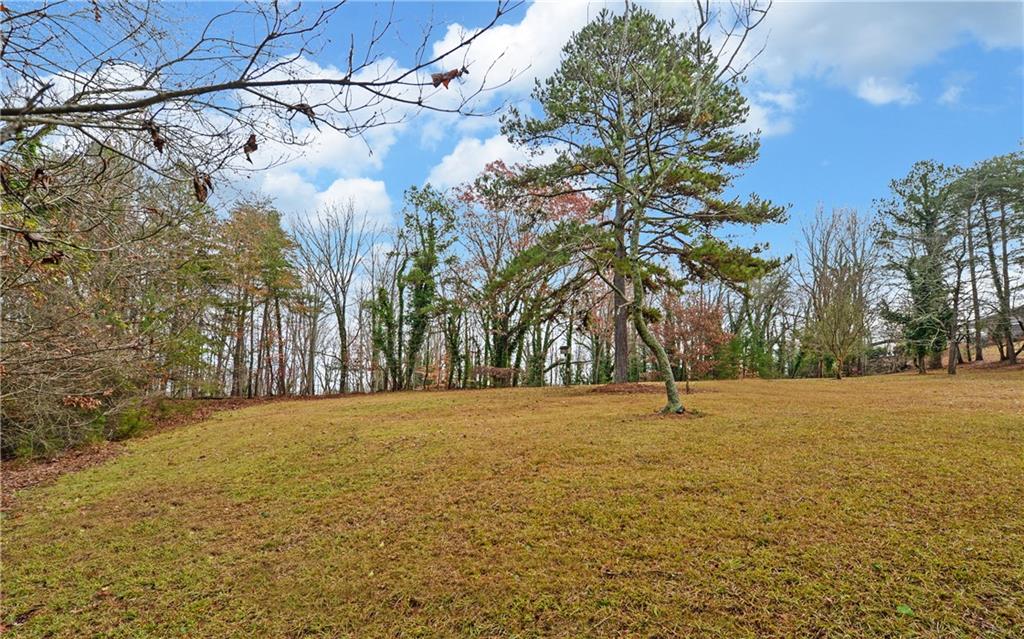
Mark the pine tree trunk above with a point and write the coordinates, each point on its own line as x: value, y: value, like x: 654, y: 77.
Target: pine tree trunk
x: 620, y: 310
x: 673, y: 405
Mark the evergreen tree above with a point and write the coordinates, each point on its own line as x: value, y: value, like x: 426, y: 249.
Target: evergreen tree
x: 645, y: 119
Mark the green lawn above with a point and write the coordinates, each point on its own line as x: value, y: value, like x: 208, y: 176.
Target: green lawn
x: 886, y: 506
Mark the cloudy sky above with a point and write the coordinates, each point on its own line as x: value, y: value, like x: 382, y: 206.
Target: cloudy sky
x: 847, y: 95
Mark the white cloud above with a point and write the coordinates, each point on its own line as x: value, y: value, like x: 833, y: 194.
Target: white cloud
x: 296, y: 196
x: 871, y: 48
x: 879, y: 91
x: 784, y: 100
x: 766, y: 119
x: 516, y: 54
x: 290, y: 191
x: 955, y: 86
x: 951, y: 95
x: 370, y: 197
x: 868, y: 48
x: 470, y: 156
x: 769, y: 112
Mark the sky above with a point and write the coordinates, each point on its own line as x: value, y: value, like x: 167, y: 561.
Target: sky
x: 846, y: 95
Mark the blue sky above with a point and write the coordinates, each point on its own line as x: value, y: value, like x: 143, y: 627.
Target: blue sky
x: 848, y: 96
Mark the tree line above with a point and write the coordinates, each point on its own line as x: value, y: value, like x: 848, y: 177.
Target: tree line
x: 611, y: 261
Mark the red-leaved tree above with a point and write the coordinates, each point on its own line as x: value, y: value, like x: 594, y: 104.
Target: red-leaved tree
x: 691, y: 329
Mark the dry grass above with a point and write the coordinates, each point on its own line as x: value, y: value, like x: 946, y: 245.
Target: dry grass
x: 886, y: 506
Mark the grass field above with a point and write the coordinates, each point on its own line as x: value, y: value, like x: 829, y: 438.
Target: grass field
x: 885, y: 506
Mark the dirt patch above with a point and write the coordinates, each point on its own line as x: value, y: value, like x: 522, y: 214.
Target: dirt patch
x: 15, y: 475
x: 996, y: 366
x: 18, y: 474
x: 689, y: 414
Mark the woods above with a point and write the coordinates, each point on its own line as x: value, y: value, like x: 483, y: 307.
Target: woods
x: 612, y: 258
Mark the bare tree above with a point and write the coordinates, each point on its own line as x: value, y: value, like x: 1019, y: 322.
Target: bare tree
x: 838, y: 277
x: 332, y: 245
x: 138, y: 80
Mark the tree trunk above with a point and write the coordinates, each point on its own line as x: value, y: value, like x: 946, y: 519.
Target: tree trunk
x: 998, y: 283
x: 567, y: 372
x: 238, y: 365
x: 340, y: 312
x: 309, y: 388
x: 951, y: 331
x: 954, y: 352
x: 397, y: 383
x: 282, y: 387
x: 620, y: 309
x: 978, y: 346
x: 252, y: 349
x: 673, y: 405
x: 1005, y: 303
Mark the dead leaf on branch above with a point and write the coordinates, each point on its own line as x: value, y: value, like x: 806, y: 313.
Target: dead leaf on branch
x: 202, y: 184
x: 250, y: 147
x: 154, y: 133
x: 307, y: 111
x: 447, y: 76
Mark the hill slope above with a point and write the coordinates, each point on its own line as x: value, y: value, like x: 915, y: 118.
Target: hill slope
x: 868, y: 507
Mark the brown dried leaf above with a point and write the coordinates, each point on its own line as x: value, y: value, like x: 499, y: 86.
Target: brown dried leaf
x: 202, y: 185
x: 250, y: 147
x: 447, y: 76
x: 154, y: 133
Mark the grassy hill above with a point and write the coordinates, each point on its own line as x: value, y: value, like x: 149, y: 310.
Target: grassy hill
x: 869, y: 507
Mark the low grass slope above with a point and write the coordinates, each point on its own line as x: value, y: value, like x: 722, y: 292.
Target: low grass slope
x: 884, y: 506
